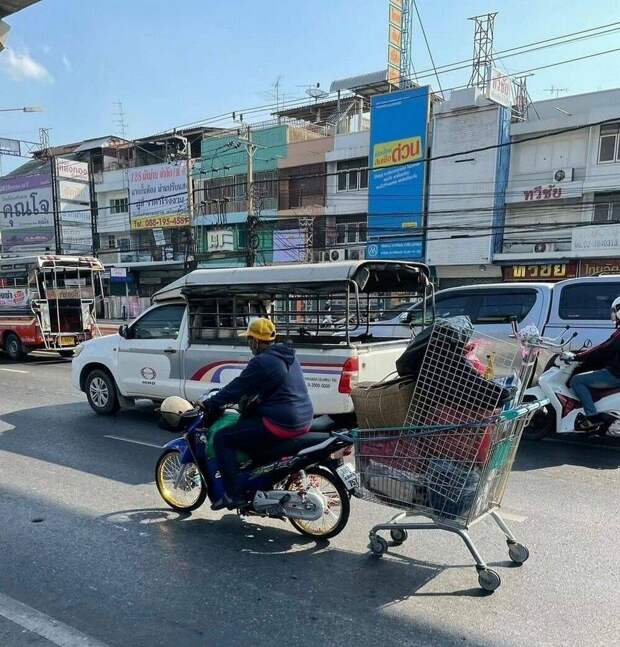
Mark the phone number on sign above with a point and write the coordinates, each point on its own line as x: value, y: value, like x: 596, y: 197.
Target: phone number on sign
x: 159, y: 221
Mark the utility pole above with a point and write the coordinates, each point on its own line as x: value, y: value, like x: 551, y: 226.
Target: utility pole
x: 252, y: 239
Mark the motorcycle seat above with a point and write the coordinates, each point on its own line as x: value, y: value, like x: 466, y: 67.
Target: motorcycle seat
x: 292, y: 446
x: 599, y: 394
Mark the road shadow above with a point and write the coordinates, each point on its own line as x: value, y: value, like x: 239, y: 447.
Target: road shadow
x: 40, y: 358
x: 590, y: 453
x: 71, y: 435
x: 370, y: 583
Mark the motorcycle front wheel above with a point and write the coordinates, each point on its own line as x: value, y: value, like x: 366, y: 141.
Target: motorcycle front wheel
x: 337, y: 504
x: 186, y: 495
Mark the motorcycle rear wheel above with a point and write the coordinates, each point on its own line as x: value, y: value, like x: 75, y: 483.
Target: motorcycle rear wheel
x: 192, y: 492
x: 336, y: 516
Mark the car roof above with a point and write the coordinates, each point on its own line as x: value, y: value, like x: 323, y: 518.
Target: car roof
x: 498, y: 286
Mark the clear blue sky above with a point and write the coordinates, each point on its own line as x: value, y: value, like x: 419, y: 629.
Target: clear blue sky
x: 176, y: 62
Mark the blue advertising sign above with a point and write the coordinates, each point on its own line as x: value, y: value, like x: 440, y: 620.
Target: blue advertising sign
x: 398, y: 126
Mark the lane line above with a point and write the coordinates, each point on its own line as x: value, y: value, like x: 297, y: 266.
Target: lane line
x: 14, y: 370
x: 45, y: 626
x: 135, y: 442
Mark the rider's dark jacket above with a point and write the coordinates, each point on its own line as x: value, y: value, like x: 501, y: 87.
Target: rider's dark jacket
x: 605, y: 355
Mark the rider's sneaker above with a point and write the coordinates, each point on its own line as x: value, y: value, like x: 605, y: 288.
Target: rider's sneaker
x: 228, y: 502
x: 220, y: 504
x: 588, y: 423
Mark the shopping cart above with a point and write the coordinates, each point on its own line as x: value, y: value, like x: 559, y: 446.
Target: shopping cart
x: 451, y: 460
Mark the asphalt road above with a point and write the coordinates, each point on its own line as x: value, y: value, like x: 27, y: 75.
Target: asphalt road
x: 90, y: 555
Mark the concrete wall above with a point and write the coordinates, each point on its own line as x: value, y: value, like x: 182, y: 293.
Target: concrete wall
x: 346, y: 147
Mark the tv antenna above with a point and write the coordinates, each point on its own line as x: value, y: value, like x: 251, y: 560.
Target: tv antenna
x: 119, y: 121
x: 555, y: 91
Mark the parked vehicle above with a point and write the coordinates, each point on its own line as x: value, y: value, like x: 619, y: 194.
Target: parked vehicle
x: 564, y: 409
x: 187, y: 342
x: 303, y: 479
x: 48, y: 302
x: 582, y: 303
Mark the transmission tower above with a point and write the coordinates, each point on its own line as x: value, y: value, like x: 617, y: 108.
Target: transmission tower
x: 483, y: 49
x: 44, y: 139
x: 407, y: 71
x: 119, y: 120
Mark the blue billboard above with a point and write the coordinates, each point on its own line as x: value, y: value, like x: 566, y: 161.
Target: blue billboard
x: 398, y: 128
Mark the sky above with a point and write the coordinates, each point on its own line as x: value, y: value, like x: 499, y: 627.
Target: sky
x: 171, y: 63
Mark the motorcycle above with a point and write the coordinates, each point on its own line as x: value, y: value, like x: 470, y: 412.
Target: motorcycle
x: 304, y: 479
x: 564, y: 412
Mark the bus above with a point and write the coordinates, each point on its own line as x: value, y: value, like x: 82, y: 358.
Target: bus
x: 48, y: 302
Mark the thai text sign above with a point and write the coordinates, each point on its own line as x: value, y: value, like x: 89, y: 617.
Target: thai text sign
x: 158, y: 195
x: 547, y: 272
x: 26, y: 202
x: 397, y: 152
x: 499, y: 89
x: 396, y: 183
x: 150, y: 222
x: 14, y: 297
x: 598, y: 238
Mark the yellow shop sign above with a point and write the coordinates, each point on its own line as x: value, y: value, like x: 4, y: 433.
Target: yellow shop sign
x: 398, y: 151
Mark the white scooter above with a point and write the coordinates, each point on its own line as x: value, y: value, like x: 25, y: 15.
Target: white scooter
x: 564, y: 412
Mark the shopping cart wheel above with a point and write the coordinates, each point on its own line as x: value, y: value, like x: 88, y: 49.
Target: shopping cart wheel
x: 378, y: 546
x: 489, y: 580
x: 518, y: 553
x: 398, y: 535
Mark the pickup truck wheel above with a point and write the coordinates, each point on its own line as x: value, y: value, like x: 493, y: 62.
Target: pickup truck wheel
x: 13, y: 347
x: 101, y: 393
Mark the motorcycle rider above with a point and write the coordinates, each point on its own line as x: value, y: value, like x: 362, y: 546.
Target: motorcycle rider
x: 273, y: 382
x: 606, y: 359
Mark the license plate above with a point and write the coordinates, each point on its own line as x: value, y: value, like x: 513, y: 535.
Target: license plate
x: 348, y: 476
x: 67, y: 341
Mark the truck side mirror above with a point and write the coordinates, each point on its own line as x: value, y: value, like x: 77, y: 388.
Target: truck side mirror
x: 123, y: 331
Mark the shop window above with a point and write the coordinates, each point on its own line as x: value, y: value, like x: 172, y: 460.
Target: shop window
x: 606, y: 208
x: 119, y: 205
x: 352, y: 175
x: 609, y: 150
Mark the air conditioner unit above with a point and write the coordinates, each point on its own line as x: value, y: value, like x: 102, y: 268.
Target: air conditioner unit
x: 333, y: 255
x: 564, y: 174
x: 541, y: 248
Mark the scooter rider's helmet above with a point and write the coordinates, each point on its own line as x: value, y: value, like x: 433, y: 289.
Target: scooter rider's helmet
x: 615, y: 311
x: 172, y: 410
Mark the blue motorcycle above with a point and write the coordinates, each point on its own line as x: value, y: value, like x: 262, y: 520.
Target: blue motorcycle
x: 304, y: 479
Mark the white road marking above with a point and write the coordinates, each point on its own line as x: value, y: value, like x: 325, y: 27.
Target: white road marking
x: 13, y: 370
x: 135, y: 442
x: 43, y: 625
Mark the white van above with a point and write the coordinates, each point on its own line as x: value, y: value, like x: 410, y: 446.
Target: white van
x: 187, y: 343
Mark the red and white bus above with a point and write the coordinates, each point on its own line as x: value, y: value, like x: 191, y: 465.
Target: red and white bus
x: 48, y: 302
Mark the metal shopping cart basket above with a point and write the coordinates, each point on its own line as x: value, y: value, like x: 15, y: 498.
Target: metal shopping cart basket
x: 451, y: 460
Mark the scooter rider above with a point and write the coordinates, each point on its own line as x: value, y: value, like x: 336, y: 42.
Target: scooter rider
x: 606, y: 358
x: 273, y: 380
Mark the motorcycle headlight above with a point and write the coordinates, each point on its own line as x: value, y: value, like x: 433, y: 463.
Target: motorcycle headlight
x: 77, y: 350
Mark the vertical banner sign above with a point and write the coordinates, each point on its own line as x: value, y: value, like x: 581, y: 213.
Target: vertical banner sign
x: 499, y: 89
x: 73, y: 193
x: 395, y: 41
x: 398, y: 128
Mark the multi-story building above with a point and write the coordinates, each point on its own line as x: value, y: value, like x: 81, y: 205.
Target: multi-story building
x: 563, y: 198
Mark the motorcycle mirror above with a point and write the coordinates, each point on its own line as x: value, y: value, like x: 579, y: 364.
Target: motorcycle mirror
x: 574, y: 335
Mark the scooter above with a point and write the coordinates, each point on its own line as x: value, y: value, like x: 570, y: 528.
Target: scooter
x: 304, y: 480
x: 564, y: 413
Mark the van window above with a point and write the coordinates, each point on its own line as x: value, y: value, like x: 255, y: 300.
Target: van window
x: 453, y: 305
x: 588, y: 300
x: 161, y: 323
x: 501, y: 307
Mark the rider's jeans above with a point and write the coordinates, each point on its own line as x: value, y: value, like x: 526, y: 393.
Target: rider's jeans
x: 247, y: 435
x: 582, y: 383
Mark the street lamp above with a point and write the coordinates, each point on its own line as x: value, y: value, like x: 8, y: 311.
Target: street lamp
x: 24, y: 109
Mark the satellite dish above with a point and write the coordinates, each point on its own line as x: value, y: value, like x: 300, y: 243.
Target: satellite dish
x: 315, y: 92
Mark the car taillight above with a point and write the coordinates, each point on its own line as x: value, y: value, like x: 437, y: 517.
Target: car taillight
x: 349, y: 375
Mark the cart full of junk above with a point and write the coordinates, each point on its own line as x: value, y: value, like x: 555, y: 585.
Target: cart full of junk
x: 449, y: 460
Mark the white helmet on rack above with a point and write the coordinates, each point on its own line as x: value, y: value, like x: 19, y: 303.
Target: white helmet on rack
x: 615, y: 311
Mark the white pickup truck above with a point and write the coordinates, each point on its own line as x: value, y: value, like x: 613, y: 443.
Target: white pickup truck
x: 187, y: 343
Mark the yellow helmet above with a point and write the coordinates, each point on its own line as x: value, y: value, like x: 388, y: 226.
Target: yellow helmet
x: 172, y: 409
x: 261, y: 329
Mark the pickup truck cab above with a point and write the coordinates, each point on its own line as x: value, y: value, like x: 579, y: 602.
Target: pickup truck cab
x: 187, y: 343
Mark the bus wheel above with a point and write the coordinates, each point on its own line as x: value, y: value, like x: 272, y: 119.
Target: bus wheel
x: 13, y: 347
x: 101, y: 393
